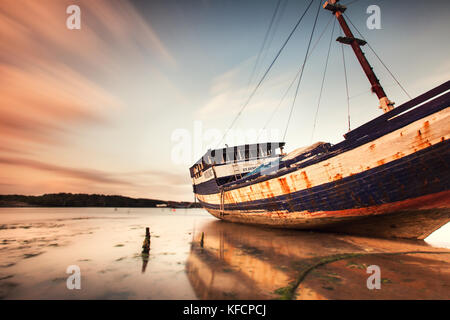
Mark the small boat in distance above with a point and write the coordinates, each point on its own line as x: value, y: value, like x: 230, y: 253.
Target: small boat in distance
x: 390, y: 177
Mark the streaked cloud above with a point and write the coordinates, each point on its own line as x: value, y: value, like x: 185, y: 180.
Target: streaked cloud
x: 228, y: 92
x: 52, y: 178
x: 52, y: 86
x: 87, y: 175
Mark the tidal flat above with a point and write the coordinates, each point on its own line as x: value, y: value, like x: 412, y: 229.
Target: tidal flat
x: 195, y: 256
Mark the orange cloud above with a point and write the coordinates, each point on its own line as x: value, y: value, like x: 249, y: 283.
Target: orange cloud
x: 86, y: 175
x: 51, y: 82
x: 27, y: 176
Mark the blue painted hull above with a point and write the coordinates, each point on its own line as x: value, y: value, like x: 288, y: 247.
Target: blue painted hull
x: 422, y: 173
x: 407, y: 188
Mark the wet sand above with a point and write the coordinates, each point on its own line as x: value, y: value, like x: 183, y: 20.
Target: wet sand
x: 38, y: 244
x: 236, y: 261
x: 244, y: 262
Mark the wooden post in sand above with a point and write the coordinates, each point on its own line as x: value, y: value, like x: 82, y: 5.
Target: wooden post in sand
x: 202, y: 239
x: 146, y: 244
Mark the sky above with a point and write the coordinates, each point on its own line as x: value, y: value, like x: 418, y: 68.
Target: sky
x: 126, y: 104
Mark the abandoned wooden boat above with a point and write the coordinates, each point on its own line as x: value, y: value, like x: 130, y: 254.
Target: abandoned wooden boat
x: 389, y: 177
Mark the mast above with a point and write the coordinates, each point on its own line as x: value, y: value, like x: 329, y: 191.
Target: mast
x: 385, y: 104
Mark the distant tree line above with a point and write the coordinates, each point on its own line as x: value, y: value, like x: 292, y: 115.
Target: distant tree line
x: 87, y: 200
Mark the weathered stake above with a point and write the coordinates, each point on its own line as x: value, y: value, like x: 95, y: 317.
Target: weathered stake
x: 202, y: 239
x: 146, y: 244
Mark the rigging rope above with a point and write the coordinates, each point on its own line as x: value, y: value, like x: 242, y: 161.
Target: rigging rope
x: 346, y: 85
x: 369, y: 90
x: 384, y: 65
x: 295, y: 78
x: 303, y: 65
x: 263, y: 44
x: 323, y: 82
x: 277, y: 23
x: 266, y: 72
x: 351, y: 2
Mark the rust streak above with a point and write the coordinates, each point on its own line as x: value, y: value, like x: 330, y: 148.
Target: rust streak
x: 284, y: 185
x: 305, y: 178
x: 398, y: 155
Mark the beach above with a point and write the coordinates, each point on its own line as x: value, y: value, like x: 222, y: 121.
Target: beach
x: 37, y: 245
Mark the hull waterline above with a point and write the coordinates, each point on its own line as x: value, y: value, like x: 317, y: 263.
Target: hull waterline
x: 390, y: 183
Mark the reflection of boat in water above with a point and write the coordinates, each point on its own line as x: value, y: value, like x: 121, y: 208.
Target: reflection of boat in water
x: 390, y: 177
x: 244, y: 262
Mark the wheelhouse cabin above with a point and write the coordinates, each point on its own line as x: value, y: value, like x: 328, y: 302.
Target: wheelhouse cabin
x: 228, y: 164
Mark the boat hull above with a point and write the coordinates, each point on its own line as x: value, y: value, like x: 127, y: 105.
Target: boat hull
x: 413, y: 218
x: 388, y: 182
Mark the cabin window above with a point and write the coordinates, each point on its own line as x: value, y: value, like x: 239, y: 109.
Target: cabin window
x: 253, y: 151
x: 262, y: 151
x: 247, y: 152
x: 206, y: 159
x: 230, y: 156
x: 241, y: 154
x: 217, y: 156
x: 214, y: 157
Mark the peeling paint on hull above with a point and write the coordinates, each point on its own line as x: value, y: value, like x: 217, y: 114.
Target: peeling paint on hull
x: 413, y: 218
x: 395, y: 184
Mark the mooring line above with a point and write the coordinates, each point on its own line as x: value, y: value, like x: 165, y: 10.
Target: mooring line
x: 289, y: 292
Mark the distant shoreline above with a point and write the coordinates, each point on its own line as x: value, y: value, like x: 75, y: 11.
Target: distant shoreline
x: 81, y: 200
